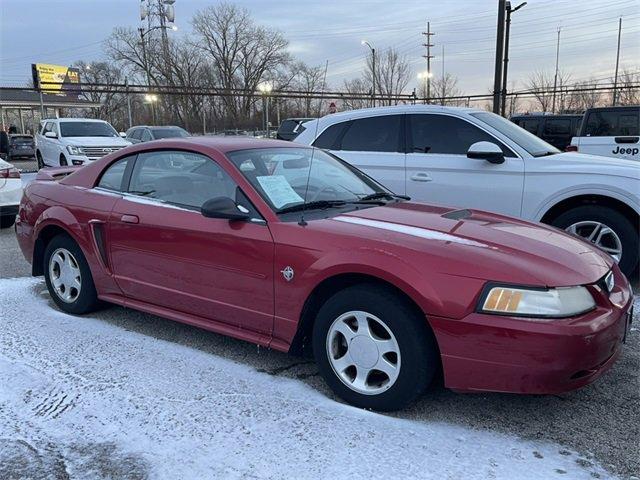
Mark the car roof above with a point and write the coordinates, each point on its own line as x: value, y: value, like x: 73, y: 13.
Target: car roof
x: 399, y: 109
x: 223, y: 144
x: 156, y: 126
x: 96, y: 120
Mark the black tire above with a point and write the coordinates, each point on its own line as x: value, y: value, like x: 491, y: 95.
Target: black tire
x: 621, y: 225
x: 39, y: 160
x: 87, y: 300
x: 7, y: 221
x: 63, y: 161
x: 418, y: 349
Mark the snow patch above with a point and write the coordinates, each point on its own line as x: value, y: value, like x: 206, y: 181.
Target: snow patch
x: 86, y: 395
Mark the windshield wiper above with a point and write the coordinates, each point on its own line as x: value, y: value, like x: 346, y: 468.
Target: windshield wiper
x: 315, y: 205
x: 379, y: 195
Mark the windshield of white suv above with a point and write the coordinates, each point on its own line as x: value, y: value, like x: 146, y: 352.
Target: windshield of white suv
x: 532, y: 144
x: 87, y: 129
x: 283, y: 179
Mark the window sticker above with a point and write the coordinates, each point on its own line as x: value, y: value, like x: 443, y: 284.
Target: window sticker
x: 278, y: 190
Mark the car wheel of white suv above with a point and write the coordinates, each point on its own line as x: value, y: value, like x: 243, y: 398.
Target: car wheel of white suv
x: 606, y: 228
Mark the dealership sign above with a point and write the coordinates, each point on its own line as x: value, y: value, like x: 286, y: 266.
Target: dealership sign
x: 56, y: 78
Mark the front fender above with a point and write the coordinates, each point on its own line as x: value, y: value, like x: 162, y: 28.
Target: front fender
x: 606, y: 191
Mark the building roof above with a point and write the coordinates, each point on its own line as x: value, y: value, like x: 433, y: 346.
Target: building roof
x: 15, y: 97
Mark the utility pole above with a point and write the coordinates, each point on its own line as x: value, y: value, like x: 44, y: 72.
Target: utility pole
x: 428, y: 34
x: 373, y: 72
x: 497, y: 78
x: 615, y: 78
x: 443, y: 77
x: 555, y: 78
x: 505, y: 65
x: 126, y: 87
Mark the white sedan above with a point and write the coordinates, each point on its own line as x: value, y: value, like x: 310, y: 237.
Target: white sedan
x: 10, y: 193
x: 471, y: 158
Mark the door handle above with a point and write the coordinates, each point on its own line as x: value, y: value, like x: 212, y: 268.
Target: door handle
x: 421, y: 177
x: 130, y: 219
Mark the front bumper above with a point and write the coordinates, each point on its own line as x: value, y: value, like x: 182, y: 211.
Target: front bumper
x: 505, y: 354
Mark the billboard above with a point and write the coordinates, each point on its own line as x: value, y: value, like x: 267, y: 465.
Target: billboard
x: 66, y: 79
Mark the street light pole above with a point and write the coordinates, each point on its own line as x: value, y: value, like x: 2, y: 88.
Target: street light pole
x: 497, y: 79
x: 146, y: 69
x: 503, y: 106
x: 555, y: 78
x: 615, y: 78
x: 373, y: 73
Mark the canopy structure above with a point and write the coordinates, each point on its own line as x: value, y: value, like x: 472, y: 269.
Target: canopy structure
x: 14, y: 102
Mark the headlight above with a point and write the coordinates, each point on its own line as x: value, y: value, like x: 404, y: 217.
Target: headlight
x: 73, y: 150
x: 536, y: 303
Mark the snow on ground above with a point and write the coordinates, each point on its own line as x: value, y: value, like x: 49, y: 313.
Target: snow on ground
x: 84, y: 398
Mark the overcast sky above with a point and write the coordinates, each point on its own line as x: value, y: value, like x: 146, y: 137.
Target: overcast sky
x: 63, y: 31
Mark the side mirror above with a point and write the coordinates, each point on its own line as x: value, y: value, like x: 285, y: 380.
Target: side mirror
x: 51, y: 135
x: 486, y: 151
x: 123, y: 134
x: 223, y: 207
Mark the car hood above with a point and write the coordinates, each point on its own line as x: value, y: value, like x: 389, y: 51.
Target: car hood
x: 581, y: 163
x: 97, y: 141
x: 479, y: 244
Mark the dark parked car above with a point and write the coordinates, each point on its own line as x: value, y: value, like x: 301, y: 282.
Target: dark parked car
x: 554, y: 129
x: 146, y: 133
x: 291, y: 128
x: 20, y: 146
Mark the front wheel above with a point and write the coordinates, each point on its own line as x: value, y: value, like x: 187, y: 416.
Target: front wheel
x: 39, y: 160
x: 373, y: 348
x: 607, y: 229
x: 68, y: 276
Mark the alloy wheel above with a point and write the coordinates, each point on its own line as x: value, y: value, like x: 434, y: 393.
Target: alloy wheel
x: 601, y: 235
x: 65, y: 276
x: 363, y: 352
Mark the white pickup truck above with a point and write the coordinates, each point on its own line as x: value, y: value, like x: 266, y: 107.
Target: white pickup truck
x: 609, y: 132
x: 75, y: 141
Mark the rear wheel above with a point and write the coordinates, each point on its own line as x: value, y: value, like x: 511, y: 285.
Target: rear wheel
x: 373, y: 348
x: 68, y: 277
x: 606, y: 228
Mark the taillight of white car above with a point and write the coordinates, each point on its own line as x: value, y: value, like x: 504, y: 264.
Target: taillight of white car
x: 10, y: 173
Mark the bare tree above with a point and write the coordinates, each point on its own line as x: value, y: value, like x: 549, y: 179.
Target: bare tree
x: 628, y: 91
x: 541, y: 83
x: 392, y: 74
x: 441, y: 88
x: 357, y: 86
x: 241, y: 53
x: 307, y: 79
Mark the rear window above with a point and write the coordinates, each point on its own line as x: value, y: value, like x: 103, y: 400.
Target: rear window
x: 169, y: 133
x: 557, y: 126
x: 529, y: 124
x: 26, y: 140
x: 612, y: 123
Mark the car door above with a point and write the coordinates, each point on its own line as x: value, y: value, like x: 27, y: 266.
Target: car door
x: 612, y: 133
x: 45, y: 144
x: 166, y: 253
x: 375, y: 145
x: 439, y: 171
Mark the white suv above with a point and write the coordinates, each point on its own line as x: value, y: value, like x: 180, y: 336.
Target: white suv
x: 75, y: 141
x: 472, y: 158
x: 610, y: 132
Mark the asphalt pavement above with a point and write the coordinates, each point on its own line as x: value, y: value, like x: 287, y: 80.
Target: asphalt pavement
x: 601, y: 422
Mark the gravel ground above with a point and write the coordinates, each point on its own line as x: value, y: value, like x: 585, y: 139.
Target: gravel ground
x: 601, y: 422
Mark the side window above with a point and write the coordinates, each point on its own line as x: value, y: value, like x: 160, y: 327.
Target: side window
x: 146, y: 135
x: 47, y: 127
x: 557, y: 126
x: 329, y: 138
x: 629, y: 124
x: 530, y: 125
x: 135, y: 134
x: 448, y: 135
x: 601, y: 124
x: 373, y: 134
x: 113, y: 177
x: 182, y: 178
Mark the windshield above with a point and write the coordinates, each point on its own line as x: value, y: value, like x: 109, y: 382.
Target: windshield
x: 281, y: 175
x: 87, y: 129
x: 169, y: 133
x: 532, y: 144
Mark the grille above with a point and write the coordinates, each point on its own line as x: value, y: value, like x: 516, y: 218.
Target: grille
x: 97, y: 152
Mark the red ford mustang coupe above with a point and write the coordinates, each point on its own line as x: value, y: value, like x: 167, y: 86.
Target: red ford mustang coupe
x: 289, y: 247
